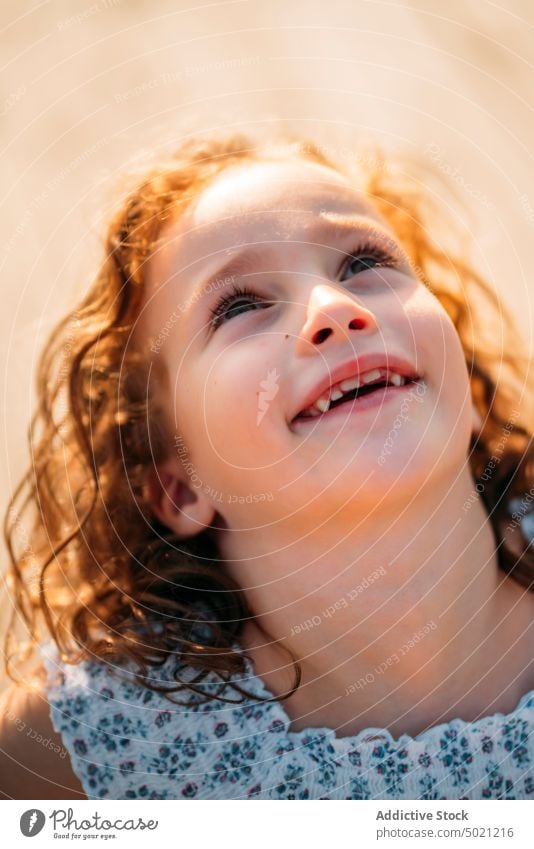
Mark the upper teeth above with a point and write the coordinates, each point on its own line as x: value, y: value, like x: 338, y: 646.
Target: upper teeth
x: 322, y: 404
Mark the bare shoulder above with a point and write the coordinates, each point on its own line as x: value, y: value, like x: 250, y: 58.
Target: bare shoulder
x: 34, y: 764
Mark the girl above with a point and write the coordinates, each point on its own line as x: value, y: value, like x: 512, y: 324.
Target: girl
x: 281, y: 488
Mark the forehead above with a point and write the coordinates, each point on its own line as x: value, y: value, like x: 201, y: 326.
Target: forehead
x: 255, y: 202
x: 269, y: 190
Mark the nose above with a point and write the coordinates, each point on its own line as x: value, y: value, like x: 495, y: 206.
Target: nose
x: 333, y: 313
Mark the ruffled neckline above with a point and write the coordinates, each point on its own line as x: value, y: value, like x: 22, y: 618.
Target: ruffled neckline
x: 432, y: 735
x: 371, y: 736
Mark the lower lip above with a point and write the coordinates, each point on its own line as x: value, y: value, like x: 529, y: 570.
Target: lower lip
x: 357, y: 405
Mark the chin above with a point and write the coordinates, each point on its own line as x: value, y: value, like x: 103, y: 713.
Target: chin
x: 408, y: 465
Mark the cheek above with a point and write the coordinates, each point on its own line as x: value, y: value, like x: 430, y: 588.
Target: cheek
x: 232, y: 413
x: 434, y: 336
x: 443, y: 361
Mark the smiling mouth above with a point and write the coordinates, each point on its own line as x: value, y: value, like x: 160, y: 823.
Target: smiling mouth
x: 364, y: 391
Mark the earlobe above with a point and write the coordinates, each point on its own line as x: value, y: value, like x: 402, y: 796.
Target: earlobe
x: 183, y: 510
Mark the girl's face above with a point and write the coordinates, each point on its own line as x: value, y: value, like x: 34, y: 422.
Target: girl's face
x: 280, y: 280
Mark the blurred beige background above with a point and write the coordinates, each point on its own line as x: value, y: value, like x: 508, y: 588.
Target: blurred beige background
x: 89, y: 86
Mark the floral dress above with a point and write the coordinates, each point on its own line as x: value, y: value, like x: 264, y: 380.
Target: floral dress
x: 126, y: 741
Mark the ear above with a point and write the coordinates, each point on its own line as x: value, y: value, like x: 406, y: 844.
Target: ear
x: 183, y: 509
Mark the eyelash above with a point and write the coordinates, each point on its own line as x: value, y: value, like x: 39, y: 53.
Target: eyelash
x: 370, y: 249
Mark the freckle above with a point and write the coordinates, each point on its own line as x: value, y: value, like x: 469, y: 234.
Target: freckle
x: 287, y: 335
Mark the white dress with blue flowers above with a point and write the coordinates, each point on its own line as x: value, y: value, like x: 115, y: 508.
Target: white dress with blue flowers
x: 126, y: 741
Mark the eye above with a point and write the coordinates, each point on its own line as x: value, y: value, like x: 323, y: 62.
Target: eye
x: 233, y: 302
x: 367, y: 256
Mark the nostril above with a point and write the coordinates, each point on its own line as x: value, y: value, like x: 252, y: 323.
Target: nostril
x: 324, y: 333
x: 321, y: 335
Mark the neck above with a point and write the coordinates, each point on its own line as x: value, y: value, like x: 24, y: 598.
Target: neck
x: 400, y: 623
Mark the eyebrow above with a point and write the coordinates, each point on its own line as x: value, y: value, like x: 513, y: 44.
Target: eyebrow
x: 249, y: 257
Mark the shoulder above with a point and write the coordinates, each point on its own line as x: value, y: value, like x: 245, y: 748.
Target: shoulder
x: 33, y: 761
